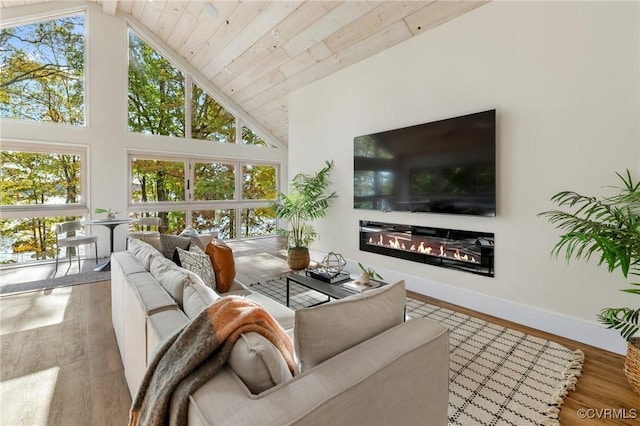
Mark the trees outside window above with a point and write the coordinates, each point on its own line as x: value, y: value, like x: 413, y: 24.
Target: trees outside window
x: 165, y: 101
x: 232, y: 197
x: 156, y: 92
x: 37, y: 184
x: 42, y: 76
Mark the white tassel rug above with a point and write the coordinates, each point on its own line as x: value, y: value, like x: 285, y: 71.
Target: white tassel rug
x: 498, y: 376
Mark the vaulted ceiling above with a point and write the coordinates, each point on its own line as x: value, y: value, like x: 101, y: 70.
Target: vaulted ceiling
x: 257, y: 52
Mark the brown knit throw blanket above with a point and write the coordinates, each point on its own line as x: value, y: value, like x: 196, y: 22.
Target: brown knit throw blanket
x: 192, y: 356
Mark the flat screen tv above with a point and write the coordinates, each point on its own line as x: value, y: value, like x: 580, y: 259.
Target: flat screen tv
x: 446, y: 166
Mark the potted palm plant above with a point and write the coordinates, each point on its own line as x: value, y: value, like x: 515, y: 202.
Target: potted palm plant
x: 608, y: 227
x: 307, y: 200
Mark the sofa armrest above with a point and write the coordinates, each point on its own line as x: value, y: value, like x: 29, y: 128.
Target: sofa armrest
x: 400, y: 376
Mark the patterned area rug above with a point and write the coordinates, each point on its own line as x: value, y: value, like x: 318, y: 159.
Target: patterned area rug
x: 498, y: 376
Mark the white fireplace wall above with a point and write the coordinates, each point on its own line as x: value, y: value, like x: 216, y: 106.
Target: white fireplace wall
x: 564, y: 78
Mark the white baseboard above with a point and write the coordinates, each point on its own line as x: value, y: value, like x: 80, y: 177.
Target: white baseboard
x: 588, y: 332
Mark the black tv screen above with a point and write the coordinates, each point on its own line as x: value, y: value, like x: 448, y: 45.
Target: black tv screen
x: 446, y: 166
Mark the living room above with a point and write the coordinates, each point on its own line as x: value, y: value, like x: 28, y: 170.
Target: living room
x: 562, y: 77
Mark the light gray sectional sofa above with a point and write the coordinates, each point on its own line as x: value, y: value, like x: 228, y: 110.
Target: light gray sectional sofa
x: 359, y: 362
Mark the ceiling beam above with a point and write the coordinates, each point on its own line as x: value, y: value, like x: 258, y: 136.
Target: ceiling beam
x: 109, y: 7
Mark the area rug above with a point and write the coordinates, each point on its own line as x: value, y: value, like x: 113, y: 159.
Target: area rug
x: 498, y: 376
x: 85, y: 276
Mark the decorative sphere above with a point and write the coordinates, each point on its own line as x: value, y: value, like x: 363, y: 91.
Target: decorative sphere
x: 333, y: 263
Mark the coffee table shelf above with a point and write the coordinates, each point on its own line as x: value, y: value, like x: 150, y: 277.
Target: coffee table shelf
x: 332, y: 291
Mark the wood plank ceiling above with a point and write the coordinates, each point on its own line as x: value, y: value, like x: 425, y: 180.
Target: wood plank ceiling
x: 257, y: 52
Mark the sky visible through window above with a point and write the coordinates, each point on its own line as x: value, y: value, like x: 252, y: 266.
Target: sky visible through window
x: 42, y: 71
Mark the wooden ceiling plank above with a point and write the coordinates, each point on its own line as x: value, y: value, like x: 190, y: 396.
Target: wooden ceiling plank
x: 272, y: 79
x: 207, y: 26
x: 242, y: 16
x: 152, y: 13
x: 438, y: 13
x: 380, y: 17
x: 274, y: 13
x: 298, y: 64
x: 379, y: 41
x: 268, y: 45
x: 338, y: 17
x: 138, y: 9
x: 169, y: 19
x: 271, y: 62
x: 183, y: 29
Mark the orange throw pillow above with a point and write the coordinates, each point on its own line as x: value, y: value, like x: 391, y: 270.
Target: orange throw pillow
x: 224, y: 266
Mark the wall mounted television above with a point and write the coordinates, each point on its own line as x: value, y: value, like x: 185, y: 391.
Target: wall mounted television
x: 446, y: 166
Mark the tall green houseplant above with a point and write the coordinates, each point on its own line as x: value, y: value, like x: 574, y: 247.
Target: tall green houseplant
x: 306, y: 200
x: 608, y: 227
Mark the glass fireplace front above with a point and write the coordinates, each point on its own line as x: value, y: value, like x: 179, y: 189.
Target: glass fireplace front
x: 467, y: 251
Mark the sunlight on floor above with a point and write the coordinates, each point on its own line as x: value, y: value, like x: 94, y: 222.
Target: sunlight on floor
x: 32, y: 391
x: 19, y: 316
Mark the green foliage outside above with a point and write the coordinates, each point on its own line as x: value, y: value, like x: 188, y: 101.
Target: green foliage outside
x: 33, y: 178
x: 42, y: 79
x: 43, y: 71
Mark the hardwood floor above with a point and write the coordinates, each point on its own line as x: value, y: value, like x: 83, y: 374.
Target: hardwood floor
x: 60, y: 365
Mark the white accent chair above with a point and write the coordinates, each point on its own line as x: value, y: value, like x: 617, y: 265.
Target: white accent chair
x: 145, y: 225
x: 63, y: 239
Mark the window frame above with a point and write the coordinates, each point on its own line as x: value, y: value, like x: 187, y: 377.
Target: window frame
x: 44, y: 210
x: 191, y: 78
x: 190, y: 204
x: 49, y: 16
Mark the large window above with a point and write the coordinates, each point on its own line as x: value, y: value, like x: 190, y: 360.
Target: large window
x: 230, y: 196
x: 39, y: 185
x: 42, y: 71
x: 165, y: 101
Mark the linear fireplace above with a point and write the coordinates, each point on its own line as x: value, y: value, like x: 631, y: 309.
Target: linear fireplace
x: 467, y: 251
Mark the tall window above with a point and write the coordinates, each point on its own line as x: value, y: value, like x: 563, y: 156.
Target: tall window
x: 39, y: 186
x: 165, y: 101
x: 42, y: 71
x: 232, y: 197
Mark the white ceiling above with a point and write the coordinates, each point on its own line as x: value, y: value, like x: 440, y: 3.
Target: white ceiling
x: 256, y: 52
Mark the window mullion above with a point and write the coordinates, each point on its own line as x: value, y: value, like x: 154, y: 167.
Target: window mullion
x: 188, y: 105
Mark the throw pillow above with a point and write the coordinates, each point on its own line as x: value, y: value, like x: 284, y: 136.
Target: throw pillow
x: 324, y: 331
x: 192, y: 234
x: 198, y: 262
x: 258, y: 362
x: 224, y: 266
x: 169, y: 244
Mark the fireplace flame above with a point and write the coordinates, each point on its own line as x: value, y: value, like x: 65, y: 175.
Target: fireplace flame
x: 423, y: 249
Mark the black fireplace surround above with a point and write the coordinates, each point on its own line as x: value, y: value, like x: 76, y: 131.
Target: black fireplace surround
x: 467, y: 251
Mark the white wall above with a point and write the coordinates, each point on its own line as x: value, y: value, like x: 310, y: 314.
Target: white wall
x: 564, y: 78
x: 106, y: 132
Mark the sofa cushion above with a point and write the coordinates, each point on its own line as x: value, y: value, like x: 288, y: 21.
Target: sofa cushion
x: 129, y: 264
x: 283, y: 315
x: 171, y: 242
x: 198, y: 262
x: 161, y: 325
x: 151, y: 296
x: 197, y: 298
x: 172, y: 277
x: 223, y: 264
x: 143, y: 251
x: 258, y: 362
x: 324, y: 331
